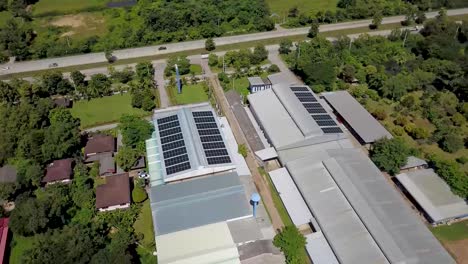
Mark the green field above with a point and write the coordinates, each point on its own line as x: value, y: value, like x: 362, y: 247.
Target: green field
x: 196, y: 69
x: 281, y: 7
x: 104, y: 110
x: 20, y: 245
x: 191, y: 94
x: 451, y: 232
x: 46, y: 7
x: 144, y: 224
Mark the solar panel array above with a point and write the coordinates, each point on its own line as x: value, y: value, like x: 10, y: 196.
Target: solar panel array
x: 210, y: 136
x: 173, y: 145
x: 316, y: 110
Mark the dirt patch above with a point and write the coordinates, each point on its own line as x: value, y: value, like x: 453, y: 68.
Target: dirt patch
x: 69, y: 33
x: 73, y: 21
x: 458, y: 249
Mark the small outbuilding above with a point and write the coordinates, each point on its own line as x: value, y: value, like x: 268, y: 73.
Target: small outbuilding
x: 99, y: 144
x: 257, y: 84
x: 433, y: 196
x: 114, y: 194
x: 414, y: 163
x: 59, y: 171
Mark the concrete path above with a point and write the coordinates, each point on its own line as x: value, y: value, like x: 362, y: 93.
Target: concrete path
x: 192, y: 45
x: 159, y: 78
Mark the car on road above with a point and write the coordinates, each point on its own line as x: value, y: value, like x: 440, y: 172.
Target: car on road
x: 162, y: 48
x: 53, y: 65
x: 5, y: 68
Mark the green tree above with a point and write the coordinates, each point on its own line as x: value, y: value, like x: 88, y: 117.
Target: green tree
x: 285, y: 46
x: 451, y: 142
x: 273, y: 68
x: 134, y: 130
x: 451, y: 172
x: 78, y: 78
x: 259, y: 54
x: 210, y: 44
x: 8, y: 94
x: 138, y: 194
x: 54, y: 83
x: 242, y: 149
x: 291, y: 242
x: 99, y: 86
x: 314, y: 29
x: 126, y: 157
x: 29, y: 217
x: 376, y: 20
x: 213, y: 60
x: 389, y: 154
x: 144, y: 71
x: 182, y: 63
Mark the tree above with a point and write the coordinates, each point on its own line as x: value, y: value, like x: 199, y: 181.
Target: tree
x: 78, y: 78
x: 54, y: 83
x: 451, y: 142
x: 291, y: 242
x: 376, y: 20
x: 126, y: 157
x: 210, y: 44
x: 29, y: 217
x: 144, y: 71
x: 137, y: 99
x: 259, y: 54
x: 62, y: 138
x: 134, y: 130
x: 8, y: 94
x: 389, y: 154
x: 293, y: 12
x: 285, y: 46
x: 348, y: 73
x: 182, y: 63
x: 420, y: 17
x: 212, y: 60
x: 273, y: 68
x: 314, y: 29
x: 99, y: 86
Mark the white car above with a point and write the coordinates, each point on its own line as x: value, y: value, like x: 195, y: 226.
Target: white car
x: 5, y: 68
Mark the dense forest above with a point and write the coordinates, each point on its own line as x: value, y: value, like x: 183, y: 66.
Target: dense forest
x: 416, y: 84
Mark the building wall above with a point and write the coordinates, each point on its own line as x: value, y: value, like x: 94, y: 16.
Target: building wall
x: 257, y: 88
x: 111, y: 208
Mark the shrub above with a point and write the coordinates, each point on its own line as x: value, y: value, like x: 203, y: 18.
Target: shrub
x: 242, y: 149
x: 419, y: 133
x: 380, y: 114
x: 273, y: 68
x: 398, y: 131
x: 138, y: 194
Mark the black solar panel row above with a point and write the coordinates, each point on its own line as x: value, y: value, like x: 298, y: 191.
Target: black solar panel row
x: 309, y: 94
x: 219, y: 160
x: 176, y: 160
x: 331, y: 130
x: 171, y: 138
x: 202, y: 113
x: 175, y: 152
x: 206, y: 125
x: 316, y: 110
x: 177, y: 168
x: 216, y: 152
x: 299, y: 89
x: 321, y: 117
x: 312, y: 105
x: 211, y: 138
x: 167, y: 119
x: 307, y: 99
x: 323, y: 123
x: 168, y: 132
x: 205, y: 132
x: 204, y: 120
x: 168, y: 125
x: 214, y: 145
x: 173, y: 145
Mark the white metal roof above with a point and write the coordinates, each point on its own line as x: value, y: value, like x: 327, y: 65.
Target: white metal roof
x: 292, y: 199
x: 433, y: 195
x: 362, y: 122
x: 319, y: 250
x: 255, y: 81
x: 202, y: 245
x: 413, y: 162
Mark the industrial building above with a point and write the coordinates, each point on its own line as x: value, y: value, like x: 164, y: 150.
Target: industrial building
x: 433, y: 196
x: 355, y: 215
x: 357, y: 119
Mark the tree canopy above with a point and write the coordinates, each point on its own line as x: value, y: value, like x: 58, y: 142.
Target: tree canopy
x: 389, y: 154
x: 291, y: 242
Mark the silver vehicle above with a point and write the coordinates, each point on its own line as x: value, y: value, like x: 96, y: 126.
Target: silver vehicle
x: 53, y: 65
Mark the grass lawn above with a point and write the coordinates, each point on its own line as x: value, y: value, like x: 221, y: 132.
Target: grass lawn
x: 144, y: 224
x: 191, y: 93
x: 281, y: 7
x: 104, y: 110
x: 196, y: 68
x: 241, y: 85
x: 145, y: 256
x: 45, y: 7
x: 20, y: 245
x: 451, y: 232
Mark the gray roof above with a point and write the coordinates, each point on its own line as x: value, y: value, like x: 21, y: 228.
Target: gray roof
x: 197, y: 202
x: 413, y: 162
x: 433, y: 195
x: 364, y: 219
x: 256, y: 81
x: 361, y: 121
x: 8, y: 174
x: 319, y: 250
x: 282, y: 78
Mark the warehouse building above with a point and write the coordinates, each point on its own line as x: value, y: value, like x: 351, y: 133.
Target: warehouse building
x: 355, y: 215
x: 357, y: 119
x: 433, y: 196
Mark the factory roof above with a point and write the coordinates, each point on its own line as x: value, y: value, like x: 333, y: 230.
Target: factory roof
x: 356, y: 116
x: 433, y: 195
x: 198, y: 202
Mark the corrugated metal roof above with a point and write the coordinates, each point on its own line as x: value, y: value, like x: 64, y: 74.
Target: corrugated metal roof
x: 365, y: 125
x: 433, y: 195
x: 413, y: 162
x: 255, y: 81
x: 197, y: 202
x: 319, y: 250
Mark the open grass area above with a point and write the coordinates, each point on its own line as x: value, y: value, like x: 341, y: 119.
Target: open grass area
x: 104, y: 110
x: 19, y: 245
x: 196, y: 69
x: 191, y: 93
x: 451, y: 232
x: 56, y: 7
x: 281, y: 7
x: 144, y: 225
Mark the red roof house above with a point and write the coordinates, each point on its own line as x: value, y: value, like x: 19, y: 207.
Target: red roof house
x: 114, y: 194
x: 3, y: 238
x: 99, y: 144
x: 59, y: 171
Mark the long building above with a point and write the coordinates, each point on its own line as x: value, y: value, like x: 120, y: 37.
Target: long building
x: 355, y: 213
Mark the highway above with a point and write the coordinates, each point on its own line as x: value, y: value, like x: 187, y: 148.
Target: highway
x: 99, y: 57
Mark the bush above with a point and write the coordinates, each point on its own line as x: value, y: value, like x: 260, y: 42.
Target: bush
x: 242, y: 149
x: 389, y: 154
x: 380, y: 114
x: 398, y: 131
x: 213, y: 60
x: 291, y: 242
x: 451, y: 142
x: 401, y: 120
x: 273, y: 68
x: 138, y: 194
x: 462, y: 160
x: 419, y: 133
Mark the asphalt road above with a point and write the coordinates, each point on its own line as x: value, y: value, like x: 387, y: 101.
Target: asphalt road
x: 191, y: 45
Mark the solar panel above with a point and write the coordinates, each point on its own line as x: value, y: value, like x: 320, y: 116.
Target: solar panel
x: 173, y: 145
x: 307, y: 99
x: 167, y: 119
x: 304, y: 94
x: 331, y: 130
x: 169, y: 132
x: 204, y: 120
x: 202, y: 113
x: 214, y: 145
x: 206, y: 125
x: 299, y: 89
x: 321, y: 117
x: 216, y: 152
x: 204, y: 132
x: 175, y: 152
x: 176, y: 160
x: 326, y: 123
x: 177, y: 168
x: 316, y: 110
x: 211, y: 138
x: 219, y: 160
x: 312, y: 105
x: 168, y: 125
x: 168, y: 139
